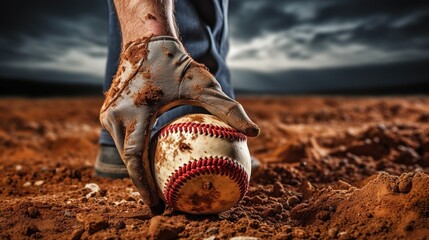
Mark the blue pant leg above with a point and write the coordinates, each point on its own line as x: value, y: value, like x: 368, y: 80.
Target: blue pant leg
x: 114, y: 44
x: 204, y: 32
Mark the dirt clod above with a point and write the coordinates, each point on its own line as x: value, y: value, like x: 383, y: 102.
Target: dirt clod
x: 148, y: 95
x: 77, y: 234
x: 30, y: 230
x: 293, y: 201
x: 33, y: 212
x: 161, y: 228
x: 150, y: 17
x: 146, y: 74
x: 278, y: 189
x: 119, y: 225
x: 278, y: 208
x: 95, y: 223
x: 332, y: 232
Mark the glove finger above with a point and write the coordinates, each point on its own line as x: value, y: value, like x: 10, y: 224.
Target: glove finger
x: 230, y: 111
x: 135, y: 156
x: 115, y: 129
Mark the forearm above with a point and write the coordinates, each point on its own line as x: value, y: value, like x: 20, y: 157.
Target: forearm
x: 145, y: 18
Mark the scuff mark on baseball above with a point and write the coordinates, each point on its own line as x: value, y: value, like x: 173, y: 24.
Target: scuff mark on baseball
x: 201, y: 164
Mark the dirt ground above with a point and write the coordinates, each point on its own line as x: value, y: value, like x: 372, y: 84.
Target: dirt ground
x: 333, y: 167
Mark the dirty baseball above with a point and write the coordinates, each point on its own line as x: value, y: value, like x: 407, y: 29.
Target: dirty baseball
x: 201, y: 165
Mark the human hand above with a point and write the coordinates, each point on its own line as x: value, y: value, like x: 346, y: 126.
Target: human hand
x: 154, y: 76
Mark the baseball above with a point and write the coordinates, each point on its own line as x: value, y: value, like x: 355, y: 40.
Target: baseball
x: 201, y: 165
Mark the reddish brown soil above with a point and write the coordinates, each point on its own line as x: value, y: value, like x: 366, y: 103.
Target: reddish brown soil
x: 148, y: 95
x: 342, y: 168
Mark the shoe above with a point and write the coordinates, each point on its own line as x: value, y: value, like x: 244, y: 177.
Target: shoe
x: 109, y: 164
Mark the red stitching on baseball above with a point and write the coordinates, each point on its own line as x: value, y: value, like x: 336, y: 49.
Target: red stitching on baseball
x: 210, y: 165
x: 206, y: 129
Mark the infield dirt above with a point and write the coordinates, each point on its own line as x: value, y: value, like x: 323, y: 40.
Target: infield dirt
x: 332, y: 168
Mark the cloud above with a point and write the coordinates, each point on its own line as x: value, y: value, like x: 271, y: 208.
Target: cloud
x: 326, y: 33
x: 67, y: 39
x: 45, y: 37
x: 250, y: 19
x: 392, y: 78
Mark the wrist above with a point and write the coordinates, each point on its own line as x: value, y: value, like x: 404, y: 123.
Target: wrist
x: 155, y: 29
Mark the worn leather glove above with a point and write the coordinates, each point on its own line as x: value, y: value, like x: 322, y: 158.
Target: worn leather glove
x: 154, y: 76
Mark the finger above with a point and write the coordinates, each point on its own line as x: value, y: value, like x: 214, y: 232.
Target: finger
x: 135, y: 156
x: 230, y: 111
x: 203, y: 89
x: 115, y: 129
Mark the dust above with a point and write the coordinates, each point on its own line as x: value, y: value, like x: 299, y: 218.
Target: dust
x: 130, y: 129
x: 166, y: 51
x: 161, y: 227
x: 198, y: 89
x: 184, y: 147
x: 202, y: 68
x: 113, y: 90
x: 133, y: 52
x: 177, y: 146
x: 150, y: 17
x: 148, y: 95
x: 189, y: 76
x: 208, y: 186
x: 161, y: 156
x: 146, y: 74
x: 199, y: 118
x: 203, y: 200
x: 136, y: 51
x: 119, y: 119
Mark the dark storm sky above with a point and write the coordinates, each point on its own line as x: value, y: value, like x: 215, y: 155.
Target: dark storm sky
x: 285, y: 42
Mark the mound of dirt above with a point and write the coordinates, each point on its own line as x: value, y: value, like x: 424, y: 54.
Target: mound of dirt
x: 397, y: 206
x: 346, y: 168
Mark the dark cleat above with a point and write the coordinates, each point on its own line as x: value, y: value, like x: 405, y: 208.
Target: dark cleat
x: 109, y: 164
